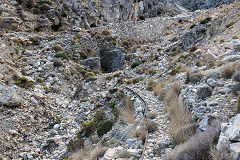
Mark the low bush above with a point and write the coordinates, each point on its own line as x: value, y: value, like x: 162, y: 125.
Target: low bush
x: 206, y: 20
x: 61, y: 55
x: 135, y: 64
x: 124, y: 154
x: 104, y: 126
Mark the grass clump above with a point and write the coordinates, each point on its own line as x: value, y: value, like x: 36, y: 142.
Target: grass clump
x: 126, y: 113
x: 75, y: 144
x: 124, y: 154
x: 227, y: 71
x: 238, y: 103
x: 24, y: 82
x: 206, y: 20
x: 106, y: 32
x: 179, y: 116
x: 89, y: 74
x: 104, y: 126
x: 135, y: 64
x: 61, y: 55
x: 57, y: 48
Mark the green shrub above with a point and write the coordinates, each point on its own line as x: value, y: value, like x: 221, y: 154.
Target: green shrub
x: 61, y: 55
x: 135, y: 64
x: 112, y: 104
x: 129, y: 81
x: 104, y: 126
x: 99, y: 116
x: 193, y: 49
x: 192, y: 26
x: 81, y: 70
x: 89, y: 74
x: 75, y: 144
x: 222, y: 41
x: 87, y: 129
x: 115, y: 112
x: 206, y: 20
x: 84, y: 100
x: 230, y: 24
x: 136, y: 80
x: 57, y: 48
x: 235, y: 37
x: 24, y: 82
x: 175, y: 71
x: 142, y: 17
x: 83, y: 54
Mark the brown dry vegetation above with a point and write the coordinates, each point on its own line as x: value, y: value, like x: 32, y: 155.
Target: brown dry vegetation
x: 90, y: 153
x: 180, y: 127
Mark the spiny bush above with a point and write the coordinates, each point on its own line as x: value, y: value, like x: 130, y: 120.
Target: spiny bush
x: 104, y: 126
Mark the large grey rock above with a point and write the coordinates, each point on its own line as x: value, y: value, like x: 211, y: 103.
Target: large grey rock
x: 9, y: 97
x: 92, y: 62
x: 204, y: 92
x: 236, y: 76
x: 207, y: 121
x: 230, y: 137
x: 112, y: 60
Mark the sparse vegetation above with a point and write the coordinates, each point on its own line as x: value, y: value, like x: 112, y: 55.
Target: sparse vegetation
x: 230, y: 24
x: 75, y: 144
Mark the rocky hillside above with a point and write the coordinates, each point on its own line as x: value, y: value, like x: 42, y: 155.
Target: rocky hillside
x: 91, y: 79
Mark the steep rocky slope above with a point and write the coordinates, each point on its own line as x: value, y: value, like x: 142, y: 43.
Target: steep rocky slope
x: 65, y: 65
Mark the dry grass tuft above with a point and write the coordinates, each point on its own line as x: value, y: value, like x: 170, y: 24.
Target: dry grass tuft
x: 198, y: 147
x: 220, y: 155
x: 180, y: 127
x: 126, y: 113
x: 90, y: 153
x: 193, y: 77
x: 159, y: 89
x: 152, y: 115
x: 140, y: 132
x: 227, y: 70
